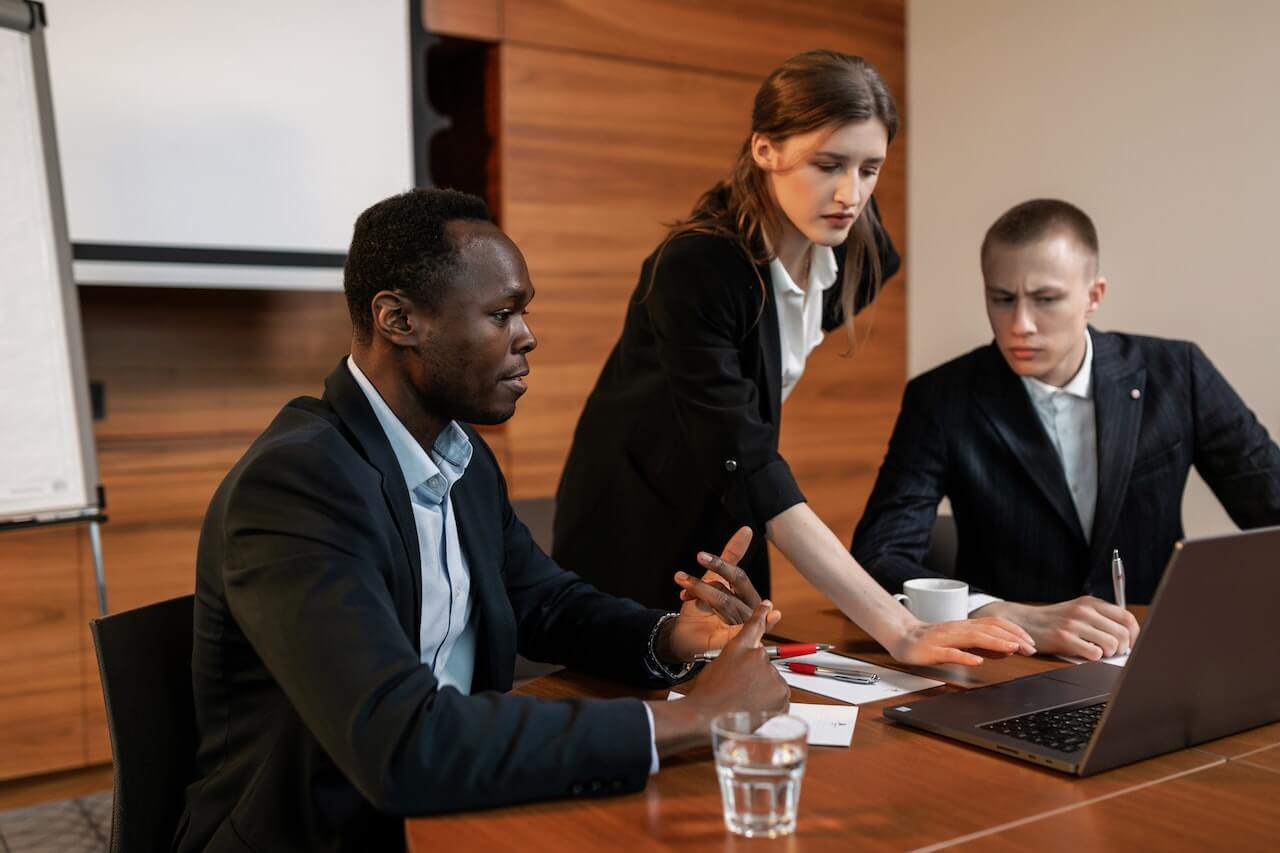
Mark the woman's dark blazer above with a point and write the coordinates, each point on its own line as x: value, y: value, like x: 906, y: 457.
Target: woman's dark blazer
x: 677, y: 446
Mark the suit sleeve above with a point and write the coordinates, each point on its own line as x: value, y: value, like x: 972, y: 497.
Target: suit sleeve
x: 703, y: 304
x: 563, y: 619
x: 1233, y: 452
x: 892, y: 537
x: 302, y: 583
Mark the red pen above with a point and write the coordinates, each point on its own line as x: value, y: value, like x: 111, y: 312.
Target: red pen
x: 787, y: 650
x: 840, y: 673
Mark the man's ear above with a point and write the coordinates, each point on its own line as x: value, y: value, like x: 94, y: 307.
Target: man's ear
x: 396, y: 319
x: 1097, y: 290
x: 764, y: 152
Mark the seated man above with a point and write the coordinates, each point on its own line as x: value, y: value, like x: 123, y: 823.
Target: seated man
x: 1057, y: 444
x: 362, y: 584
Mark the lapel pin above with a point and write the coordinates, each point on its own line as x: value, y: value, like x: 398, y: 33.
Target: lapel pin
x: 1135, y: 393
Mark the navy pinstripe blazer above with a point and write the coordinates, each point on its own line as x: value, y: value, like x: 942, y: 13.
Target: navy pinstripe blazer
x: 968, y: 431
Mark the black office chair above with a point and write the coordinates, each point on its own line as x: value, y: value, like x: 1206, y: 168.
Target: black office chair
x: 144, y: 657
x: 943, y: 542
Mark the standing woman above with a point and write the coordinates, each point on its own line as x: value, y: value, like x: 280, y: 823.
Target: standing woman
x: 677, y: 447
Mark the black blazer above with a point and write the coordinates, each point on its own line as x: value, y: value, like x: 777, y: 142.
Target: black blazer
x: 319, y: 727
x: 677, y: 446
x: 969, y: 431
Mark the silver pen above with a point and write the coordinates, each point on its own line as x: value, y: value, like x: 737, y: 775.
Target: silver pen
x: 1117, y: 577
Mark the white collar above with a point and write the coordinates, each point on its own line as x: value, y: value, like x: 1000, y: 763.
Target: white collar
x: 1081, y: 385
x: 822, y: 271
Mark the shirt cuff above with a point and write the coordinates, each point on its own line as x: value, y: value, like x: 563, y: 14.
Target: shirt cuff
x: 981, y: 599
x: 653, y: 740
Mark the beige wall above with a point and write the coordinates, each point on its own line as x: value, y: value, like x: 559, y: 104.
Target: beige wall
x: 1158, y: 117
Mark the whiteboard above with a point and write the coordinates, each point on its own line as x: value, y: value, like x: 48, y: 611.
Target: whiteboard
x: 48, y: 469
x: 236, y: 124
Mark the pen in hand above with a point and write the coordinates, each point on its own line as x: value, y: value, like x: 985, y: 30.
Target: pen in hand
x: 1117, y: 577
x: 787, y: 650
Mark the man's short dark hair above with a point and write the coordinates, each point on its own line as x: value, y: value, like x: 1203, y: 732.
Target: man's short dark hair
x: 402, y: 243
x: 1036, y: 219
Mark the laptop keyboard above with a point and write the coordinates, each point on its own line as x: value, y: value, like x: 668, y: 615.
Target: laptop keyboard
x: 1066, y: 729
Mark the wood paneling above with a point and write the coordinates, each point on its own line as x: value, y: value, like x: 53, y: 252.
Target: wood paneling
x: 41, y: 637
x: 596, y: 155
x: 473, y: 19
x: 745, y: 37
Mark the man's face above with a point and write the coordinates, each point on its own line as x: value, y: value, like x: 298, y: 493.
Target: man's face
x: 1039, y: 299
x: 470, y: 364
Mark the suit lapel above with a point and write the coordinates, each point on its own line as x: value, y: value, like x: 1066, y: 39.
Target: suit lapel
x: 1118, y: 416
x: 480, y: 543
x: 771, y: 346
x: 1008, y: 408
x: 350, y: 404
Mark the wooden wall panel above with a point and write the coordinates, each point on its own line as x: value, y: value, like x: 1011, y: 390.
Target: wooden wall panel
x: 41, y: 643
x: 597, y: 153
x: 473, y: 19
x: 746, y: 37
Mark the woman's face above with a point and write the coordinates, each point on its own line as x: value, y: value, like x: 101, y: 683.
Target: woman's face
x: 822, y: 180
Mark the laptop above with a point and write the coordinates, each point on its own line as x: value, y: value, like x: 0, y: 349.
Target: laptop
x: 1204, y: 667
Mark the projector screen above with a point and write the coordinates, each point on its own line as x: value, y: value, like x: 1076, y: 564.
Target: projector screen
x: 251, y: 129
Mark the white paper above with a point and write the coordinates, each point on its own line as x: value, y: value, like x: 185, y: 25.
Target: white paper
x: 829, y: 725
x: 891, y: 683
x: 1116, y: 660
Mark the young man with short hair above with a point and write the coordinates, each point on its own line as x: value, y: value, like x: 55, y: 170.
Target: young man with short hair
x: 1057, y: 444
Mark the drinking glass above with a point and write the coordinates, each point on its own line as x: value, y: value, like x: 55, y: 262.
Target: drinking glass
x: 760, y: 761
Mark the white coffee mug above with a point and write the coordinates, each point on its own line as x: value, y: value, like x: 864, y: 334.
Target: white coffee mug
x: 936, y: 599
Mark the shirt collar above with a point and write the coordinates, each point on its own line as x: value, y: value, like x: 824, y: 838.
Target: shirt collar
x: 822, y: 271
x: 1081, y: 385
x: 424, y: 475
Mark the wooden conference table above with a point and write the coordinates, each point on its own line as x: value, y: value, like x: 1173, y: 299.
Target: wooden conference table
x: 900, y: 789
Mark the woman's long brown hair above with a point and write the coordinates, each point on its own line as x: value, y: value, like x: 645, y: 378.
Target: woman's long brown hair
x: 808, y: 92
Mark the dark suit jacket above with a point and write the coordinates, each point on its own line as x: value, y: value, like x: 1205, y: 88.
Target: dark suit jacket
x: 968, y: 430
x: 677, y: 446
x: 319, y: 727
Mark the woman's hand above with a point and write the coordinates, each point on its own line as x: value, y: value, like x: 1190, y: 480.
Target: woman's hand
x: 948, y: 642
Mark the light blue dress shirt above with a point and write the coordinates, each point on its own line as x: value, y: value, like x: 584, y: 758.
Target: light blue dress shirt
x: 1068, y: 417
x: 447, y: 637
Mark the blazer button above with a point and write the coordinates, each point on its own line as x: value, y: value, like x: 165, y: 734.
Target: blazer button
x: 616, y: 783
x: 731, y: 465
x: 576, y: 789
x: 597, y: 785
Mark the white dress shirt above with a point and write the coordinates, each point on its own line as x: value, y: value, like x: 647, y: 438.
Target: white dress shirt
x: 447, y: 636
x: 1068, y: 417
x: 800, y: 311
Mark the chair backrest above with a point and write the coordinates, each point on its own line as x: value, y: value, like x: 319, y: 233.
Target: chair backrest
x: 144, y: 657
x: 941, y: 556
x: 538, y: 514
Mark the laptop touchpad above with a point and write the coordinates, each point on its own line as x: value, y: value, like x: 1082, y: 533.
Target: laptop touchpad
x: 1095, y: 676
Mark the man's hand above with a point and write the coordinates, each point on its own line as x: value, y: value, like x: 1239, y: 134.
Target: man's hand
x: 715, y: 607
x: 1085, y: 627
x: 946, y: 642
x: 740, y: 679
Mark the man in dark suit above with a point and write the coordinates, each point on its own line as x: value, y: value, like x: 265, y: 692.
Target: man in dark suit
x: 1057, y: 444
x: 363, y: 586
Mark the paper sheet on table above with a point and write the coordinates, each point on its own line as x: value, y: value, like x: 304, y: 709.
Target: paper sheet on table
x: 1117, y: 660
x: 829, y: 725
x: 891, y: 683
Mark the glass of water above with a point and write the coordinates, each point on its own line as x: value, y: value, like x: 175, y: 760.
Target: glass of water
x: 760, y: 761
